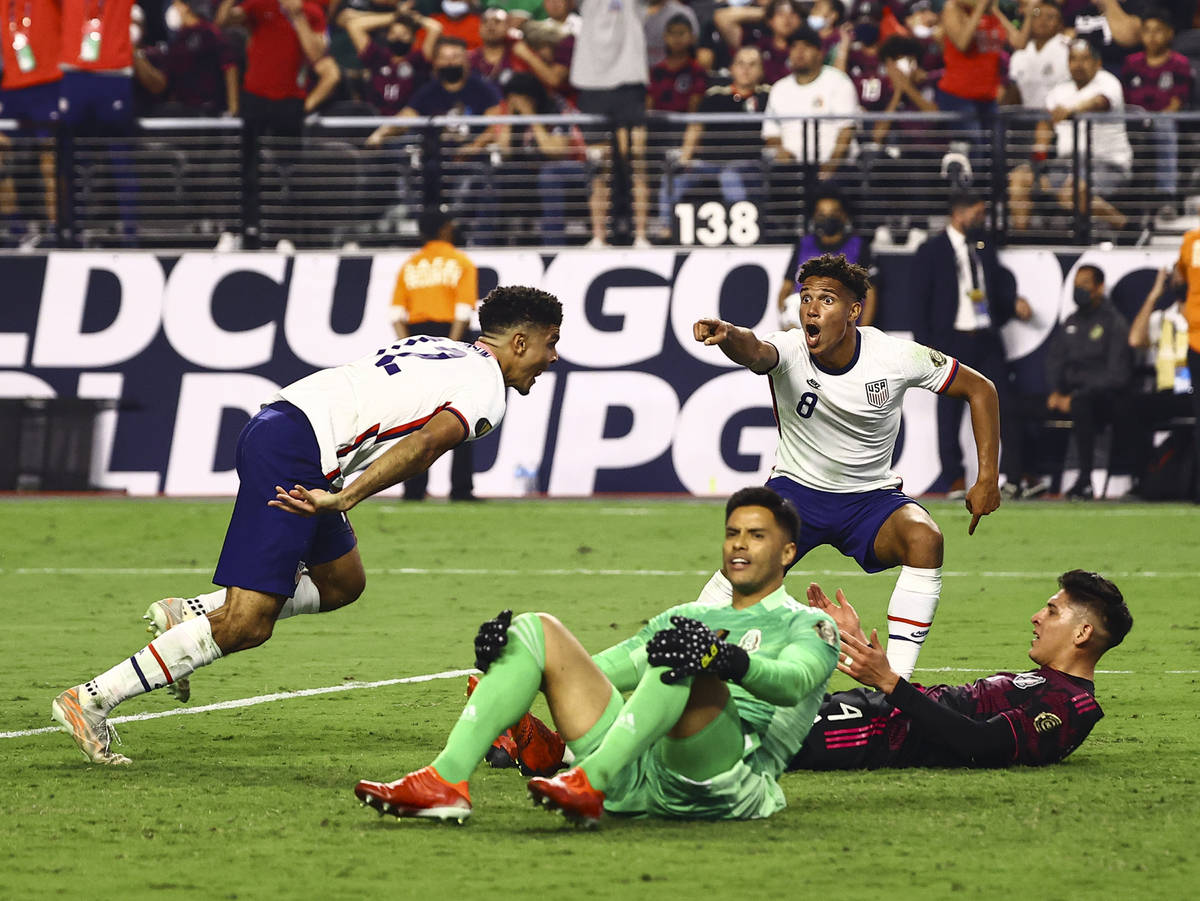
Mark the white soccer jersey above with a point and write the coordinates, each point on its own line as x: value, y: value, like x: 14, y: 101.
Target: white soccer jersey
x: 358, y: 410
x: 837, y: 430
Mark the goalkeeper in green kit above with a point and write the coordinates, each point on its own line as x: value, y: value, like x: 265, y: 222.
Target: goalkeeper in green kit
x: 722, y: 697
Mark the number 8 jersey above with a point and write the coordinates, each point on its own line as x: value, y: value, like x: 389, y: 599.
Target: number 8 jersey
x: 838, y: 428
x: 360, y: 409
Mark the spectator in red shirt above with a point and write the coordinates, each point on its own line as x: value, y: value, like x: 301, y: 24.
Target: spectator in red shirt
x: 392, y: 69
x: 285, y: 37
x: 976, y: 36
x: 460, y: 19
x: 29, y: 94
x: 196, y: 73
x: 1159, y: 79
x: 96, y: 58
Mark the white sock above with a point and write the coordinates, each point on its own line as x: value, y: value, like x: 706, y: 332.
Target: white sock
x: 717, y: 590
x: 910, y: 614
x: 305, y: 599
x: 206, y: 603
x: 176, y: 653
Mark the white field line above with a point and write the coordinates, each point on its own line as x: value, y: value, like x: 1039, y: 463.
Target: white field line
x: 409, y: 680
x: 566, y: 571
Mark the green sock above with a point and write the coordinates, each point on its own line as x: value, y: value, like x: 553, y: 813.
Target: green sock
x: 503, y: 695
x: 647, y: 716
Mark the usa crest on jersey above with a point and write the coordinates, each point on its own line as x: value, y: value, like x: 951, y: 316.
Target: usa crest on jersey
x: 877, y: 393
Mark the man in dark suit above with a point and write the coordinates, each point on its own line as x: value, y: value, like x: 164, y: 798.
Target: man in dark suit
x: 962, y: 297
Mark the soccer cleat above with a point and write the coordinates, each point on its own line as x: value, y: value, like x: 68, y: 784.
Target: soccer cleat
x: 87, y: 726
x: 539, y: 748
x: 166, y: 614
x: 571, y: 793
x: 423, y: 793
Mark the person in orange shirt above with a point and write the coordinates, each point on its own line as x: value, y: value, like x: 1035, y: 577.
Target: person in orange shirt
x: 435, y: 294
x: 1188, y: 268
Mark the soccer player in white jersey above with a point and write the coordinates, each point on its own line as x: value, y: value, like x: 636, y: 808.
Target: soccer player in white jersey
x: 837, y: 391
x: 279, y: 556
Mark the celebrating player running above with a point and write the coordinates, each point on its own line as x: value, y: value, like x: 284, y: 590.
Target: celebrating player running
x: 837, y: 391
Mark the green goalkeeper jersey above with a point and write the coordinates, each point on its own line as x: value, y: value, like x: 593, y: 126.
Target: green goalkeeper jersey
x: 793, y: 651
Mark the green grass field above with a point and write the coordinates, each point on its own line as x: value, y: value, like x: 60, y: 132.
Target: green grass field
x: 256, y: 801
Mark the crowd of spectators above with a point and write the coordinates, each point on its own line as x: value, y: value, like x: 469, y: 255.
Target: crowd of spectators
x: 98, y: 64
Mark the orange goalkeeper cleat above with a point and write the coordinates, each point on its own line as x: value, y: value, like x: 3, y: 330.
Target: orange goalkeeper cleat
x: 422, y: 793
x: 539, y: 748
x: 570, y: 792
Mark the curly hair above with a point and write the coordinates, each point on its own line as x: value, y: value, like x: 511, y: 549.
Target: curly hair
x: 837, y: 267
x: 509, y: 306
x: 1103, y: 599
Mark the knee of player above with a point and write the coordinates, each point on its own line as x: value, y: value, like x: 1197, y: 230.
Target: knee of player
x: 924, y: 544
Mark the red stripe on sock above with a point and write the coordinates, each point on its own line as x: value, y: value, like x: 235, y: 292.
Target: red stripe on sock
x: 166, y: 672
x: 911, y: 622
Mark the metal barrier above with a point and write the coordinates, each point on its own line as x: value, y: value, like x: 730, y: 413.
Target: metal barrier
x: 561, y: 180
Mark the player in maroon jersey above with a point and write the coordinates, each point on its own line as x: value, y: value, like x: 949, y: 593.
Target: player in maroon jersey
x: 1031, y: 718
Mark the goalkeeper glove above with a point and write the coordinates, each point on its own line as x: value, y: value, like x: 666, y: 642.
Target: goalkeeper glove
x: 690, y: 647
x: 491, y: 639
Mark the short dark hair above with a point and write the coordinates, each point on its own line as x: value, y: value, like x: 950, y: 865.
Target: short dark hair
x: 963, y: 198
x: 806, y: 35
x: 509, y: 306
x: 898, y: 46
x: 1096, y: 271
x: 828, y: 190
x: 680, y: 19
x: 1103, y: 599
x: 448, y: 41
x: 838, y: 268
x: 431, y: 223
x: 762, y: 496
x: 1159, y: 14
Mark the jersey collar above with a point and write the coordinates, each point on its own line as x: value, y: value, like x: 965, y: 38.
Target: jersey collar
x: 848, y: 366
x: 775, y: 599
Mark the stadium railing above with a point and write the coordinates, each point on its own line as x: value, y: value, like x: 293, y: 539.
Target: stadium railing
x: 183, y: 183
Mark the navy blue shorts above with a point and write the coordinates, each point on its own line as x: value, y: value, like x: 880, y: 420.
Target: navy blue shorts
x: 95, y: 103
x: 34, y: 107
x: 848, y: 522
x: 265, y: 546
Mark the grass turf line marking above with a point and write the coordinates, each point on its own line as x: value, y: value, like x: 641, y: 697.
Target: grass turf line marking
x: 409, y: 680
x: 259, y: 699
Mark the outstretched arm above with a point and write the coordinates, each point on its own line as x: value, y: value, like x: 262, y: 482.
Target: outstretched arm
x: 983, y: 742
x: 739, y: 344
x: 412, y: 455
x: 980, y: 394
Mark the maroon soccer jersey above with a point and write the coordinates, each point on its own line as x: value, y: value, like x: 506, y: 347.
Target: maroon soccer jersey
x: 1032, y: 718
x: 195, y: 63
x: 499, y: 72
x: 870, y: 80
x: 1153, y: 87
x: 392, y: 80
x: 672, y: 89
x: 774, y: 59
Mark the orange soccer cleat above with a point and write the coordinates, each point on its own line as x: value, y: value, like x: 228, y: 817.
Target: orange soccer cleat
x: 423, y: 793
x: 539, y: 748
x: 571, y: 793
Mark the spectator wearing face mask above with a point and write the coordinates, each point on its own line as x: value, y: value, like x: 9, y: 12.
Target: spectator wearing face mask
x: 392, y: 69
x: 830, y: 232
x: 196, y: 72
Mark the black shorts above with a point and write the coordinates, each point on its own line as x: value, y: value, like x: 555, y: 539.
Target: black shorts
x: 852, y: 732
x: 625, y: 104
